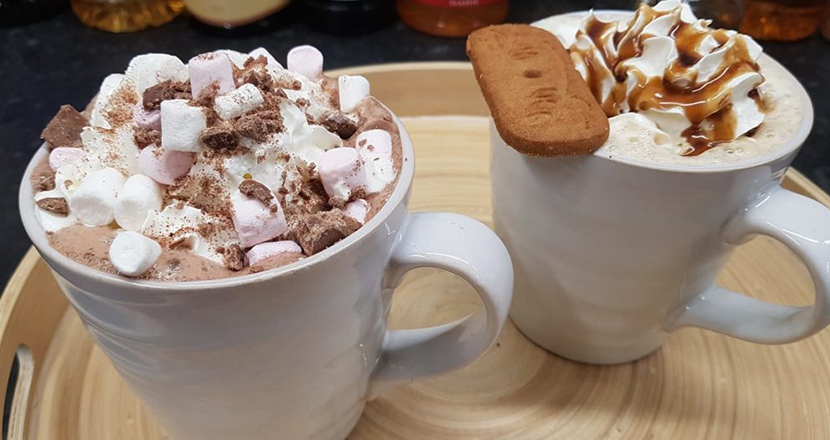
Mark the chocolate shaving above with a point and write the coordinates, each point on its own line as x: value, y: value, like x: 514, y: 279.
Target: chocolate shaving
x: 337, y: 122
x: 64, y: 130
x: 258, y: 78
x: 153, y: 95
x: 57, y: 205
x: 220, y: 137
x: 318, y: 231
x: 252, y: 126
x: 43, y: 178
x: 146, y: 136
x: 235, y: 258
x: 256, y: 190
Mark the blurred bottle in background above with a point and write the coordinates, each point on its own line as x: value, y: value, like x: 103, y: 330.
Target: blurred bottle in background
x: 229, y: 14
x: 347, y: 17
x: 782, y: 20
x: 451, y: 18
x: 16, y: 12
x: 126, y: 15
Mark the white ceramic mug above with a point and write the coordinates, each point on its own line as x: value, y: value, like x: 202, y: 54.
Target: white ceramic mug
x: 294, y: 352
x: 611, y: 255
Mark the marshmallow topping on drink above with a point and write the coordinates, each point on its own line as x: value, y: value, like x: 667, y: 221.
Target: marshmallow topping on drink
x: 227, y: 165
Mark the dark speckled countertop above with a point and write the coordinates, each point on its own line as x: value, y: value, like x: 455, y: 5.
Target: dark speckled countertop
x: 59, y: 61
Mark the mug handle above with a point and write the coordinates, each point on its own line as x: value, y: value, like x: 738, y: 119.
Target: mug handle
x: 803, y: 225
x: 465, y: 247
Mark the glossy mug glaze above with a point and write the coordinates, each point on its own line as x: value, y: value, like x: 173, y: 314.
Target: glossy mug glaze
x: 611, y: 254
x: 294, y: 352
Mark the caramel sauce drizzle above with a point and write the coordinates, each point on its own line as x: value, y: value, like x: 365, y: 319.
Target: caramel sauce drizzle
x: 707, y: 106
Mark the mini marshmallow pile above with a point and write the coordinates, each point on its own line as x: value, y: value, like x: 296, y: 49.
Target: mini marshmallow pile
x: 247, y: 154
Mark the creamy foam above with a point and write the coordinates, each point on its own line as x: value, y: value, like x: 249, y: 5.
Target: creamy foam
x: 639, y: 142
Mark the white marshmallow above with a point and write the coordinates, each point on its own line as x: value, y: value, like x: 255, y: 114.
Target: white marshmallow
x: 94, y: 200
x: 181, y: 125
x: 307, y: 61
x: 254, y: 222
x: 237, y: 58
x: 210, y: 68
x: 132, y: 254
x: 238, y: 102
x: 352, y: 90
x: 341, y: 171
x: 64, y: 156
x: 357, y: 210
x: 260, y: 51
x: 52, y: 221
x: 375, y: 148
x: 139, y: 195
x: 150, y: 69
x: 263, y: 251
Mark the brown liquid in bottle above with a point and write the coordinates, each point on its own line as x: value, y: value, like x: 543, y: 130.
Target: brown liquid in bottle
x: 782, y: 20
x: 451, y: 18
x: 126, y: 15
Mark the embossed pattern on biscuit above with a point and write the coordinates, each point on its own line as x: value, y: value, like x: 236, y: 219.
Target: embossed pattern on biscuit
x: 540, y: 104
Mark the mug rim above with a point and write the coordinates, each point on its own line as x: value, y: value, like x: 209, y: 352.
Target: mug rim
x: 37, y: 235
x: 788, y: 148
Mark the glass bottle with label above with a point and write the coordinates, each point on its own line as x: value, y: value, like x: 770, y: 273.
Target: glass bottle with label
x: 451, y: 18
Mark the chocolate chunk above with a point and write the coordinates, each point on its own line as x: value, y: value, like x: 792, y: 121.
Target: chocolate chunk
x: 235, y: 258
x: 337, y: 122
x: 307, y: 198
x: 64, y: 130
x: 153, y: 95
x: 252, y: 126
x: 220, y: 137
x: 57, y: 205
x: 146, y: 136
x: 43, y: 178
x: 273, y: 120
x: 320, y: 230
x: 256, y: 190
x: 258, y: 78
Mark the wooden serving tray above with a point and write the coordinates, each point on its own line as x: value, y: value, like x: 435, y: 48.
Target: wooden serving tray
x: 701, y: 385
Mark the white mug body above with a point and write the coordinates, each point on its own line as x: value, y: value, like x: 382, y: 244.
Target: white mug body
x: 294, y: 352
x: 612, y: 254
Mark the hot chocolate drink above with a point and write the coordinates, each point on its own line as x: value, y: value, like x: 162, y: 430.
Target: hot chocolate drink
x: 676, y: 91
x: 227, y: 165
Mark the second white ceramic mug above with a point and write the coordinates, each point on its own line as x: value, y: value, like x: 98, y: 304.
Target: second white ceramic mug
x: 611, y: 255
x: 295, y: 352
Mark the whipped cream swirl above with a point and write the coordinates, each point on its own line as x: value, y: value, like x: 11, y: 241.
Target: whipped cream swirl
x: 698, y: 84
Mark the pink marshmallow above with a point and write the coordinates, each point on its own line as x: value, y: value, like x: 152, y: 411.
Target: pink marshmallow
x: 164, y: 165
x: 64, y: 156
x: 209, y: 68
x: 341, y: 171
x: 145, y: 119
x: 267, y: 250
x: 254, y: 222
x: 374, y: 143
x: 357, y: 210
x: 307, y: 61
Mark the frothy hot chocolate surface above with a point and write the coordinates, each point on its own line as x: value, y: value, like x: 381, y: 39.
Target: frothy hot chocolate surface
x: 229, y: 164
x: 676, y: 91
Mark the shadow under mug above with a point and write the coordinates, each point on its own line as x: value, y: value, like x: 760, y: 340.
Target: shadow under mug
x: 611, y: 255
x: 294, y: 352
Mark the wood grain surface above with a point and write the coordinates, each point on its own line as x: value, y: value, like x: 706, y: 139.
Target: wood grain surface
x: 700, y: 385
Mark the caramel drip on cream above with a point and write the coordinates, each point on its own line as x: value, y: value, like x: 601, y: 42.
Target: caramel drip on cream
x: 707, y: 105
